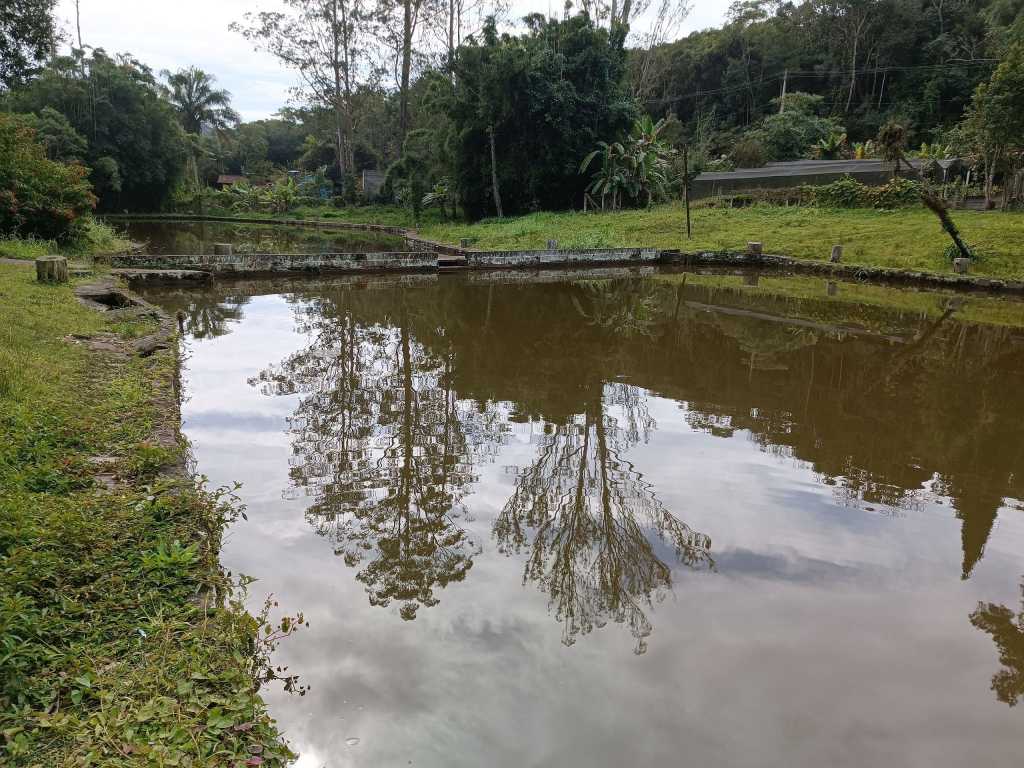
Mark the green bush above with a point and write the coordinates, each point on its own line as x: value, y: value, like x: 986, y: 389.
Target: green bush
x: 749, y: 153
x: 849, y: 193
x: 39, y: 197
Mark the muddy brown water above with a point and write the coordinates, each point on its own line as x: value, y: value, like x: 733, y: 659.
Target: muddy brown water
x: 168, y: 237
x: 653, y: 519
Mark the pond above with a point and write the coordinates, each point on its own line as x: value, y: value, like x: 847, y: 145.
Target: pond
x: 655, y: 519
x: 167, y: 237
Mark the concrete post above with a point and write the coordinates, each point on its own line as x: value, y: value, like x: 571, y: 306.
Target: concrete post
x: 961, y: 266
x: 754, y: 249
x: 552, y: 245
x: 837, y: 254
x: 52, y: 269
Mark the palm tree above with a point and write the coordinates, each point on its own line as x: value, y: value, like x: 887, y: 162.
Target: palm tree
x: 197, y: 101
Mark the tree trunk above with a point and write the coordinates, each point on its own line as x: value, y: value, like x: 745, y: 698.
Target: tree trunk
x: 336, y: 66
x: 938, y: 206
x: 853, y: 74
x: 494, y: 174
x: 403, y: 115
x: 52, y: 269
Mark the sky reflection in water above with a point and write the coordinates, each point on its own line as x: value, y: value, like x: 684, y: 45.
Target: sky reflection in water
x: 628, y: 521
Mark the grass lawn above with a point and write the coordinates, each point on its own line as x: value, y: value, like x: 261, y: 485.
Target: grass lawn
x: 107, y: 656
x: 908, y: 238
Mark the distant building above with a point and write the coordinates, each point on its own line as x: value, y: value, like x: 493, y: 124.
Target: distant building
x: 226, y: 180
x: 797, y: 173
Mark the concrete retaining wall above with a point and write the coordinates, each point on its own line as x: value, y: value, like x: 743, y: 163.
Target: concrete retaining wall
x: 560, y: 258
x: 269, y: 263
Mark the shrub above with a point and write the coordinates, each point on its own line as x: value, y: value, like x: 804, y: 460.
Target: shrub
x: 844, y: 193
x: 749, y: 153
x: 896, y: 194
x: 849, y: 193
x: 39, y: 197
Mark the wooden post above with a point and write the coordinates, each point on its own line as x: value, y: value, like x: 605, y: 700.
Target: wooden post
x: 52, y: 269
x: 837, y: 254
x: 686, y: 187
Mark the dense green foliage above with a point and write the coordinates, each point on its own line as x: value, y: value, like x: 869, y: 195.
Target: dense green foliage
x: 26, y: 36
x: 136, y: 148
x: 870, y: 61
x: 547, y: 97
x: 38, y: 196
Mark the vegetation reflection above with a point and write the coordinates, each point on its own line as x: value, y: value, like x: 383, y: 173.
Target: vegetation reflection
x: 385, y: 449
x: 1007, y: 632
x: 893, y: 407
x: 583, y: 513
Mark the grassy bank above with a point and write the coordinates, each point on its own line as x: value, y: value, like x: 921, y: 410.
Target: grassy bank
x: 97, y: 239
x: 112, y: 649
x: 909, y: 238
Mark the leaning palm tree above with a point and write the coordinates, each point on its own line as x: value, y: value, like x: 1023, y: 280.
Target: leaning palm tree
x: 197, y: 101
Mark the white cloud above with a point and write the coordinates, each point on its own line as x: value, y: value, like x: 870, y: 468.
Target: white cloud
x: 195, y: 32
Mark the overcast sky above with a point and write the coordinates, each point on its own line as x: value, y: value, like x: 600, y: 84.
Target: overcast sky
x: 171, y: 35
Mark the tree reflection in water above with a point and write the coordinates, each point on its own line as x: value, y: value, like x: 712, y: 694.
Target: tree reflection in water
x: 583, y: 514
x: 1007, y: 631
x: 383, y: 446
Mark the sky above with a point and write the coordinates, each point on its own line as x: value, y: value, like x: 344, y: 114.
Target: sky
x: 195, y: 32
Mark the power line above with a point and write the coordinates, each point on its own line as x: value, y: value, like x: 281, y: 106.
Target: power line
x: 830, y: 73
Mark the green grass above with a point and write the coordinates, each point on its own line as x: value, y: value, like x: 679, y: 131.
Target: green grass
x: 96, y: 239
x: 107, y: 658
x: 25, y: 248
x: 908, y: 238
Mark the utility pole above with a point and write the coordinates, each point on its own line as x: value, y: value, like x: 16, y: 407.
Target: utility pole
x: 686, y: 186
x: 782, y: 100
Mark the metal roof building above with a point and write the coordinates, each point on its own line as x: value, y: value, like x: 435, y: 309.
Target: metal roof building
x: 797, y: 173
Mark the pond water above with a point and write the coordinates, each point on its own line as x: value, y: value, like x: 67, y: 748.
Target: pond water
x: 166, y: 237
x: 655, y: 519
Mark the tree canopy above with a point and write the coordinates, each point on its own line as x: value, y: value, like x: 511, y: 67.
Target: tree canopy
x: 547, y: 97
x: 27, y: 36
x: 133, y: 135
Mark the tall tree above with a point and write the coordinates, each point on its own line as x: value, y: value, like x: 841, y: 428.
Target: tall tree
x: 27, y: 36
x: 993, y: 126
x: 198, y: 101
x: 325, y: 41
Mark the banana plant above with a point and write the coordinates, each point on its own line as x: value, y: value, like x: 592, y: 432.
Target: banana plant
x: 611, y: 179
x: 830, y: 148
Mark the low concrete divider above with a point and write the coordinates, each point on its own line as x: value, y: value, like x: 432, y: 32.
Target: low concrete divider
x: 560, y: 258
x: 271, y: 263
